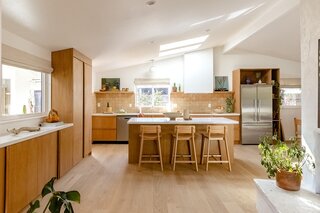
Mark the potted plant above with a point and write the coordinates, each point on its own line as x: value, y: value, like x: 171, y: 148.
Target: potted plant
x: 58, y: 201
x: 229, y: 104
x: 284, y: 161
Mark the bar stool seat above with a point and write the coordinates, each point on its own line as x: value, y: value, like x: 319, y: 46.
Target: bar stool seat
x: 184, y: 133
x: 215, y: 133
x: 150, y: 133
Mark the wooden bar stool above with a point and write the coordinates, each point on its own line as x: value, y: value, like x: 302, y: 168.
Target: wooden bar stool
x: 184, y: 133
x: 150, y: 133
x: 297, y: 129
x: 215, y: 133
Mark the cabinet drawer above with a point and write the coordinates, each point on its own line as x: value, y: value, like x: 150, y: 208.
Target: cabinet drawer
x: 104, y: 122
x: 104, y: 135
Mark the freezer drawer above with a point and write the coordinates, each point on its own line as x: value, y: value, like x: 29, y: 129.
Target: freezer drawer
x: 250, y: 133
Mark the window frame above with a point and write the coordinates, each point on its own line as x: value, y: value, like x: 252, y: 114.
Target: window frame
x: 45, y: 99
x: 152, y: 86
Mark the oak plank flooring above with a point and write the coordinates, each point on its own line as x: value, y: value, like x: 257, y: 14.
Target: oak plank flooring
x: 109, y: 184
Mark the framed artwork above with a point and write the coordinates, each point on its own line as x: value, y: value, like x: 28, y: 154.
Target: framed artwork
x: 221, y: 83
x: 108, y: 84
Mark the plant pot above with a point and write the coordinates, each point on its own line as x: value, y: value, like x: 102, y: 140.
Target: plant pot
x: 288, y: 180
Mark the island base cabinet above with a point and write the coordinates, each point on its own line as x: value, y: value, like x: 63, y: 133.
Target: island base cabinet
x: 29, y: 165
x: 166, y: 143
x: 2, y: 179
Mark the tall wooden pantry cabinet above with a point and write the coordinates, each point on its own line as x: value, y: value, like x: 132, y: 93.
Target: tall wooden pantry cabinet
x: 71, y: 96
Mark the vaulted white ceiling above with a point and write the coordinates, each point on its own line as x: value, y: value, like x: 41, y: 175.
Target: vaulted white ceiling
x: 121, y: 33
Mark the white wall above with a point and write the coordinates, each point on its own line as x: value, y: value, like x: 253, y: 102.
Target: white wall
x: 198, y: 71
x: 226, y: 63
x: 169, y: 68
x: 310, y: 33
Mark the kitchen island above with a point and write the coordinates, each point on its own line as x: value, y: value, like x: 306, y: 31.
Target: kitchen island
x: 167, y: 129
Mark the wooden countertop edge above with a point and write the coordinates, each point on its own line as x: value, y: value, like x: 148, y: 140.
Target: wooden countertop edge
x: 8, y: 140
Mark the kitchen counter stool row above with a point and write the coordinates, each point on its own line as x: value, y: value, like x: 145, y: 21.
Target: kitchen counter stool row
x: 186, y: 133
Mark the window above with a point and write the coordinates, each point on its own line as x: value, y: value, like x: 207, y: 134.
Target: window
x: 291, y: 96
x: 22, y: 91
x: 152, y: 96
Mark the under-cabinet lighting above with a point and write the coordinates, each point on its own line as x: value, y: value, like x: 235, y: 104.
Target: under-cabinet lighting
x: 179, y: 50
x: 183, y: 43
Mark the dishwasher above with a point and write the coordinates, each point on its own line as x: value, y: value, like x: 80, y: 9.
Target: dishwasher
x: 123, y: 127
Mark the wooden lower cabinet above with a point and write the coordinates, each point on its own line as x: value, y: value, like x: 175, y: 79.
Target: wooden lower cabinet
x: 104, y: 128
x: 65, y: 151
x: 2, y: 179
x: 29, y: 165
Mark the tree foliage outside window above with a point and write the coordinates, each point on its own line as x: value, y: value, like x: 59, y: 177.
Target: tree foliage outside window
x: 152, y: 96
x: 291, y: 96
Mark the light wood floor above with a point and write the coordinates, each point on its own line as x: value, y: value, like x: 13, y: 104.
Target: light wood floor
x: 107, y: 183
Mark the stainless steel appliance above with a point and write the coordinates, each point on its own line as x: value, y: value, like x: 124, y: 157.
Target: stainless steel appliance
x: 256, y: 112
x: 122, y: 127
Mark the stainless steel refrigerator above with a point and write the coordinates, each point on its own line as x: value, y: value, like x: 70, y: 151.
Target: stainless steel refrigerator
x: 256, y: 112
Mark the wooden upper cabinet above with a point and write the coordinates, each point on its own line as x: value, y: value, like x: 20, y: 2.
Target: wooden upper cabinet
x: 87, y: 136
x: 71, y: 96
x: 78, y: 113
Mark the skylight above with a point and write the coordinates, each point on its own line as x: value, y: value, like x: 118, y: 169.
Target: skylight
x: 179, y: 50
x: 183, y: 43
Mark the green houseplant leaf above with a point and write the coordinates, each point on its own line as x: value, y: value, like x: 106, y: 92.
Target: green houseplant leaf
x: 48, y: 188
x: 58, y: 201
x: 33, y: 206
x: 73, y: 196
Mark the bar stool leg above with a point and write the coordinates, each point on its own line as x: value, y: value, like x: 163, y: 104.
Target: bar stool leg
x: 189, y: 149
x: 202, y: 149
x: 175, y: 153
x: 160, y: 153
x: 172, y: 152
x: 228, y: 157
x: 194, y: 153
x: 219, y: 148
x: 141, y: 148
x: 208, y: 155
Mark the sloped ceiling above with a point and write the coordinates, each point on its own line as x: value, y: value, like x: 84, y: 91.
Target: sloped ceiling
x: 122, y: 33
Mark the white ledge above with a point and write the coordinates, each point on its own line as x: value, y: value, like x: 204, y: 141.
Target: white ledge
x: 271, y: 198
x: 11, y: 139
x: 220, y: 120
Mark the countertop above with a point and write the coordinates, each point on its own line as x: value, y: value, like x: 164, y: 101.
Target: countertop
x: 11, y: 139
x: 279, y: 200
x: 146, y: 114
x: 181, y: 121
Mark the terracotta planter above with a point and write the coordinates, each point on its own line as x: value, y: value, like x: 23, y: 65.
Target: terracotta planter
x: 288, y: 180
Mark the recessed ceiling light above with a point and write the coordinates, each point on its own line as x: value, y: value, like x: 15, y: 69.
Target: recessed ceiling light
x: 150, y: 3
x: 183, y: 43
x: 179, y: 50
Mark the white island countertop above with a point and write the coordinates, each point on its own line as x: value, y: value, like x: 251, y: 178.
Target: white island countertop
x: 158, y: 113
x: 219, y: 120
x: 11, y: 139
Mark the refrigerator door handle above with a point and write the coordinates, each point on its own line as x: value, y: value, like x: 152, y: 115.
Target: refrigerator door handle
x: 255, y: 109
x: 259, y: 109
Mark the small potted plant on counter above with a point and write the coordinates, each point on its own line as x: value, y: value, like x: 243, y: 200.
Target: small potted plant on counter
x: 229, y: 104
x: 284, y: 161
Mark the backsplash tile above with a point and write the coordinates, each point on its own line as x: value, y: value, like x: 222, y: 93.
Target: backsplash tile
x: 195, y: 102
